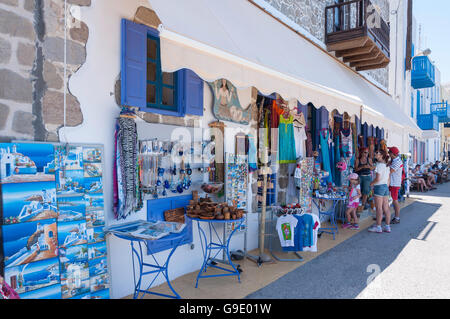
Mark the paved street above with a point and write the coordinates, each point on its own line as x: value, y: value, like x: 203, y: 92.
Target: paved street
x: 411, y: 262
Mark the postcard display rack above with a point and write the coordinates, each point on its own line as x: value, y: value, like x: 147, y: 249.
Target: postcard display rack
x: 236, y: 192
x: 52, y: 220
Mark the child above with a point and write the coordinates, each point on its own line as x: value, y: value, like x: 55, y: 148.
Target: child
x: 354, y: 195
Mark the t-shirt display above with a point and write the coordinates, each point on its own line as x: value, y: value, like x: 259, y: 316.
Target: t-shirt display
x: 285, y: 228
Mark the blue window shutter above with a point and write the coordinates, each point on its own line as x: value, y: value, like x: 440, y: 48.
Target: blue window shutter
x: 418, y: 103
x: 192, y: 92
x: 134, y: 64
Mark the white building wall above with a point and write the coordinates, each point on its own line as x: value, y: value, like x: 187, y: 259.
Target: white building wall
x: 93, y: 85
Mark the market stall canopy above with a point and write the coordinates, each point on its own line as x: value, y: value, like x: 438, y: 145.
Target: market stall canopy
x: 235, y: 40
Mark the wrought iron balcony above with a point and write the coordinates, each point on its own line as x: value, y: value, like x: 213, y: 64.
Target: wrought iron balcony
x: 442, y: 111
x: 428, y: 122
x: 422, y: 73
x: 358, y: 34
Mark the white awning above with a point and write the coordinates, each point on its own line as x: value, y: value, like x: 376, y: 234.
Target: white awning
x: 235, y: 40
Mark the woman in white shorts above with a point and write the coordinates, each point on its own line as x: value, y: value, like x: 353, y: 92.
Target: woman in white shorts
x: 381, y: 193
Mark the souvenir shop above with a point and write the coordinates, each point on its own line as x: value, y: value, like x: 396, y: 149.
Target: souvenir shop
x: 194, y: 165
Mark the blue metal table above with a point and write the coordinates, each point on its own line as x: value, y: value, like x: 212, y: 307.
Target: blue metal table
x: 209, y: 246
x: 156, y: 268
x: 330, y: 212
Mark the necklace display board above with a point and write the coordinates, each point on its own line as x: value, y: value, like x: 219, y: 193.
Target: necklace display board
x: 305, y: 191
x: 52, y: 220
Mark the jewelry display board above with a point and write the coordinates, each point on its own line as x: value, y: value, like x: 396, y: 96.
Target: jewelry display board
x: 236, y: 189
x: 52, y: 219
x: 305, y: 191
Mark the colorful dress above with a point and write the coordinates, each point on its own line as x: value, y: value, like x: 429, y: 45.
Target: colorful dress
x: 325, y: 154
x: 286, y: 141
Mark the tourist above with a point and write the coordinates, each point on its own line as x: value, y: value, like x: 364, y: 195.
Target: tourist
x: 428, y: 175
x: 418, y: 180
x: 396, y: 170
x: 354, y: 195
x: 363, y: 167
x: 381, y: 193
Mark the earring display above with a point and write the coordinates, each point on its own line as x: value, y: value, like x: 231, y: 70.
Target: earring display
x: 306, y: 185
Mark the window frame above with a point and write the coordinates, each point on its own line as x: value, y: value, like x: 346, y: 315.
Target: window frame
x: 158, y: 107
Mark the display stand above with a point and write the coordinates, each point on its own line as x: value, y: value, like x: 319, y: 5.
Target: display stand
x: 330, y: 212
x: 236, y: 184
x: 137, y: 257
x: 273, y: 235
x: 262, y: 257
x: 208, y: 246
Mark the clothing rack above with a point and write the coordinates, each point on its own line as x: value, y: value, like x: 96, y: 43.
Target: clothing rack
x: 273, y: 234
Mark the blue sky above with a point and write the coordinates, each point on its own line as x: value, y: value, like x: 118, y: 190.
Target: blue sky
x: 434, y: 16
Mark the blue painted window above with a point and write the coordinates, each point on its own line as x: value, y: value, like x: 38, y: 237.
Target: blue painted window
x: 412, y: 105
x: 145, y: 85
x: 161, y: 86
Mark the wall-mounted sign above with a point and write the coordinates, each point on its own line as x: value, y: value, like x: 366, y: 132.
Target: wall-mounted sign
x: 226, y: 105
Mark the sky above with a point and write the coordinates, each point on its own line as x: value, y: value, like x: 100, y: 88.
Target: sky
x: 434, y: 16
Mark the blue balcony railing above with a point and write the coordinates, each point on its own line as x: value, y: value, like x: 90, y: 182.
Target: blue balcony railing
x: 442, y: 111
x: 428, y: 122
x: 422, y: 73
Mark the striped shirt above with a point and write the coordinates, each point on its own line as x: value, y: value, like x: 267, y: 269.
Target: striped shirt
x: 396, y: 176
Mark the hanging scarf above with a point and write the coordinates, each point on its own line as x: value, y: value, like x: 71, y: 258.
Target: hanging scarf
x: 126, y: 163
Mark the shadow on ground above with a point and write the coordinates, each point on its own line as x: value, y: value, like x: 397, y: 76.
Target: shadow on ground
x: 343, y: 271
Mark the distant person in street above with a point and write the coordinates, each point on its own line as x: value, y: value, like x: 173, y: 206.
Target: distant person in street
x: 396, y: 170
x: 381, y: 193
x: 437, y: 170
x: 416, y: 178
x: 363, y: 167
x: 428, y: 175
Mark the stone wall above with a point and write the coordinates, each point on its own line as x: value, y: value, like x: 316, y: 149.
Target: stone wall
x: 310, y: 15
x: 32, y: 68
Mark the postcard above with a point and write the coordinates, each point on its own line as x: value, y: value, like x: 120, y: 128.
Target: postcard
x: 102, y: 294
x: 72, y: 233
x: 26, y: 162
x: 92, y: 169
x: 27, y: 242
x: 69, y: 157
x: 95, y: 235
x: 92, y: 154
x: 99, y: 282
x: 70, y: 182
x: 93, y: 185
x: 98, y: 266
x: 93, y: 201
x: 51, y: 292
x: 73, y: 254
x: 97, y: 250
x: 74, y: 279
x: 71, y: 208
x: 26, y: 202
x: 33, y: 276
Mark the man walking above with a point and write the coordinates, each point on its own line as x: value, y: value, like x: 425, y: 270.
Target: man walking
x: 396, y: 168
